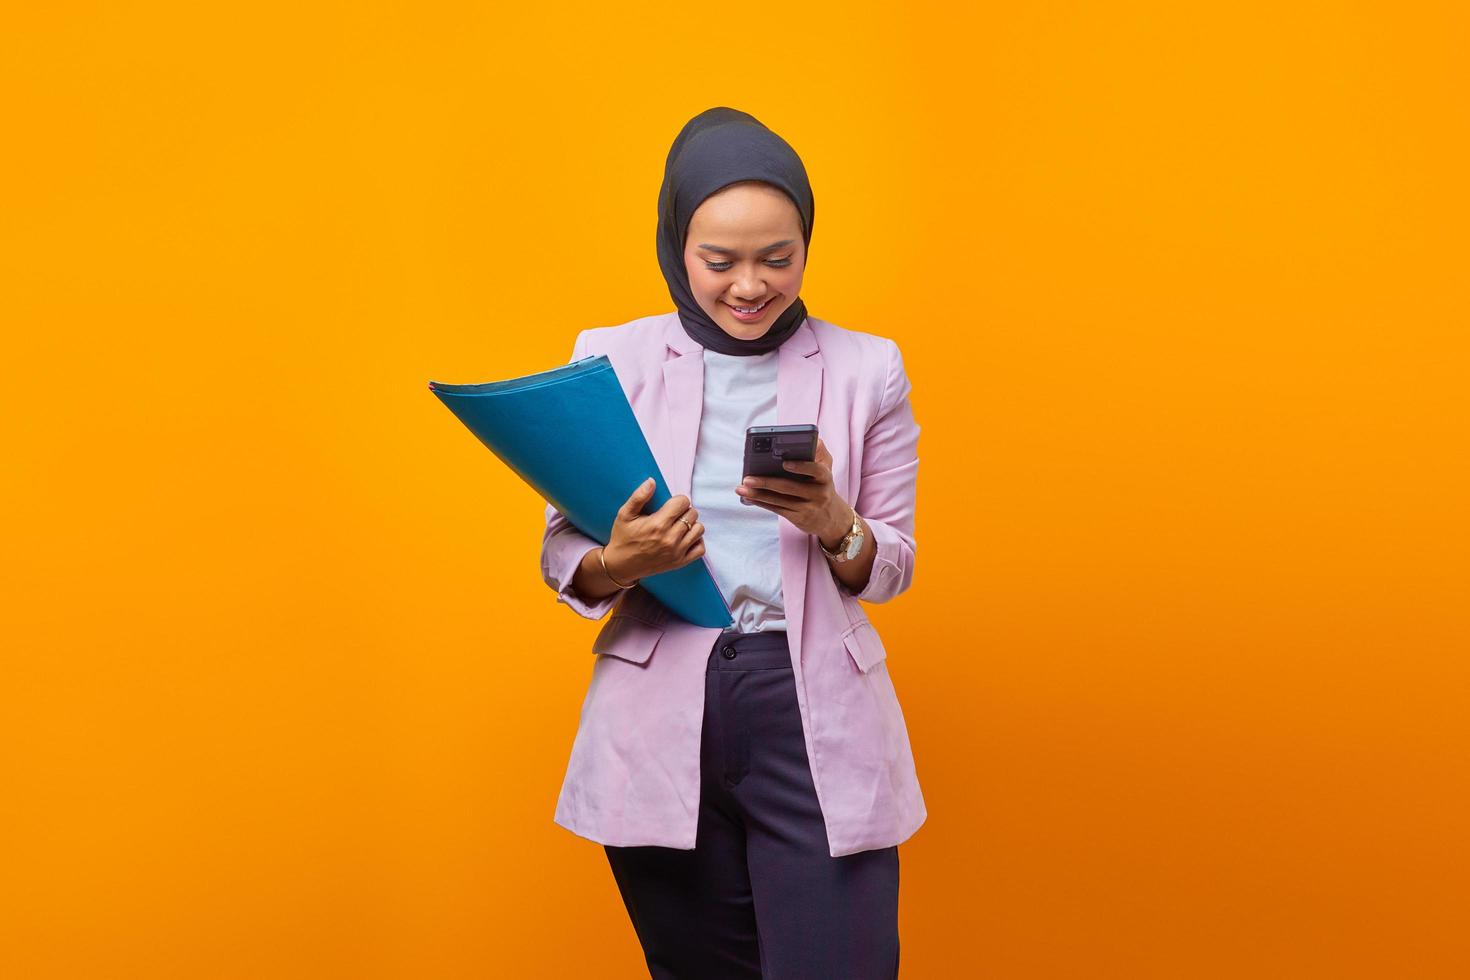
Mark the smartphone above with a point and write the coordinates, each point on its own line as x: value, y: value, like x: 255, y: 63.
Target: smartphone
x: 768, y: 446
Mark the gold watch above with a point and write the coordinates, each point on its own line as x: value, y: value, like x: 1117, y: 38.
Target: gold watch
x: 851, y: 543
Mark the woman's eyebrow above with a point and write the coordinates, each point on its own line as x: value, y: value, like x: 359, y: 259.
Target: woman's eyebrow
x: 769, y: 248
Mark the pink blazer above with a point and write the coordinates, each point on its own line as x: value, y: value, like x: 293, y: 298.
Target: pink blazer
x: 633, y: 775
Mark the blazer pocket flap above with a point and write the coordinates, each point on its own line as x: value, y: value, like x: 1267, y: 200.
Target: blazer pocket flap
x: 628, y: 638
x: 864, y: 646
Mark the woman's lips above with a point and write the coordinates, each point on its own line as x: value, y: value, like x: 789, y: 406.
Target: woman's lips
x: 751, y: 317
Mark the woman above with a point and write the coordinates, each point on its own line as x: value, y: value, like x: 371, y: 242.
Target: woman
x: 750, y: 786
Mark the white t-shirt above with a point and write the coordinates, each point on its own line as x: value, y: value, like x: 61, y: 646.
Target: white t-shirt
x: 741, y: 541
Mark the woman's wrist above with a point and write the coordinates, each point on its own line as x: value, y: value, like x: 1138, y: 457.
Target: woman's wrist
x: 621, y: 580
x: 837, y: 529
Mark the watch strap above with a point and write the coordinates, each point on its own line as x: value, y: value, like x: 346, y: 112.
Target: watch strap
x: 840, y: 552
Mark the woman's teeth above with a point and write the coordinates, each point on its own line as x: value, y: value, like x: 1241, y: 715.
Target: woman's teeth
x: 749, y: 309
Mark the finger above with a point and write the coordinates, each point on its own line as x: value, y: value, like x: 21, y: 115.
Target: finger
x: 822, y: 451
x: 633, y: 506
x: 678, y: 530
x: 693, y: 555
x: 692, y: 536
x: 817, y: 471
x: 672, y: 509
x: 800, y: 489
x: 767, y: 499
x: 792, y: 514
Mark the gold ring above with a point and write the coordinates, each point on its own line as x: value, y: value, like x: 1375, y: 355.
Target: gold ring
x: 686, y: 524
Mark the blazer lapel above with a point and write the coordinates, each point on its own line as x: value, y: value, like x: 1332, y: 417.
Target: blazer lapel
x: 683, y: 403
x: 798, y: 400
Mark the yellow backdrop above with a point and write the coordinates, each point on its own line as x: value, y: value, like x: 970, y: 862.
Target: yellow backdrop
x: 1180, y: 288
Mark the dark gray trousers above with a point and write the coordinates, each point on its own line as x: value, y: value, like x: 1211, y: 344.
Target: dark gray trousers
x: 759, y: 896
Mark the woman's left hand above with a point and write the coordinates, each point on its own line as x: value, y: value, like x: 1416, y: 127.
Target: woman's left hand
x: 812, y: 506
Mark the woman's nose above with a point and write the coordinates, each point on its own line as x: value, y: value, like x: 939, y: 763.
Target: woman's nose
x: 749, y: 287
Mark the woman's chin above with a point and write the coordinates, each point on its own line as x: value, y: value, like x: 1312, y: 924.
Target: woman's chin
x: 745, y: 331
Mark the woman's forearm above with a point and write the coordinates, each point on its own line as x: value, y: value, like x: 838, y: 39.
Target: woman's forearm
x: 590, y: 582
x: 854, y: 572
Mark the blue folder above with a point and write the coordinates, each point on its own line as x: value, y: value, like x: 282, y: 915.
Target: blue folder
x: 571, y: 434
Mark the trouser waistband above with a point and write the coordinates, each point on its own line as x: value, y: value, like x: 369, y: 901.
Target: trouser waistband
x: 750, y: 651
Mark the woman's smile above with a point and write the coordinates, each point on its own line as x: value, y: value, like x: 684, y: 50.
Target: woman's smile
x: 750, y: 313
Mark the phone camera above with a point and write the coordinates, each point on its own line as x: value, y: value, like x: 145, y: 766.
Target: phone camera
x: 762, y: 444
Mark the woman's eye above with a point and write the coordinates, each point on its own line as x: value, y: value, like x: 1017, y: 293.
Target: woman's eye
x: 722, y: 266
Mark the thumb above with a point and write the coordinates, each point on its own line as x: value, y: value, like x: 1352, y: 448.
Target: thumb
x: 639, y: 496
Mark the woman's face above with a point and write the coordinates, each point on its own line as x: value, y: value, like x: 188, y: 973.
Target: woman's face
x: 744, y: 249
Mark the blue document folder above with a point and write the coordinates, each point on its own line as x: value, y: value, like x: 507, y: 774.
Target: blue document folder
x: 571, y: 434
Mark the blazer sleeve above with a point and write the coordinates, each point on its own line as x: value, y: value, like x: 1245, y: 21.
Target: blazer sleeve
x: 886, y: 486
x: 563, y: 546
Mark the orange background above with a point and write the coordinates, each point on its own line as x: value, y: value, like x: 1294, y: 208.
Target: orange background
x: 1180, y: 289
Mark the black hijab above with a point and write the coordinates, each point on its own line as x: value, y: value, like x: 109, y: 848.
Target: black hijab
x: 716, y: 148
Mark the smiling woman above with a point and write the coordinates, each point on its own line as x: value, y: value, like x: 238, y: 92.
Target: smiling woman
x: 735, y: 222
x: 742, y: 284
x: 750, y: 786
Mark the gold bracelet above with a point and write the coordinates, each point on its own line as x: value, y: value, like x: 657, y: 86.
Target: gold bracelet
x: 609, y: 574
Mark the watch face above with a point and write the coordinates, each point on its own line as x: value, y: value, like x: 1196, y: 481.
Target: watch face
x: 855, y: 547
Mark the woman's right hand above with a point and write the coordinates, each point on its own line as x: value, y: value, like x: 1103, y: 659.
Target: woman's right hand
x: 646, y: 544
